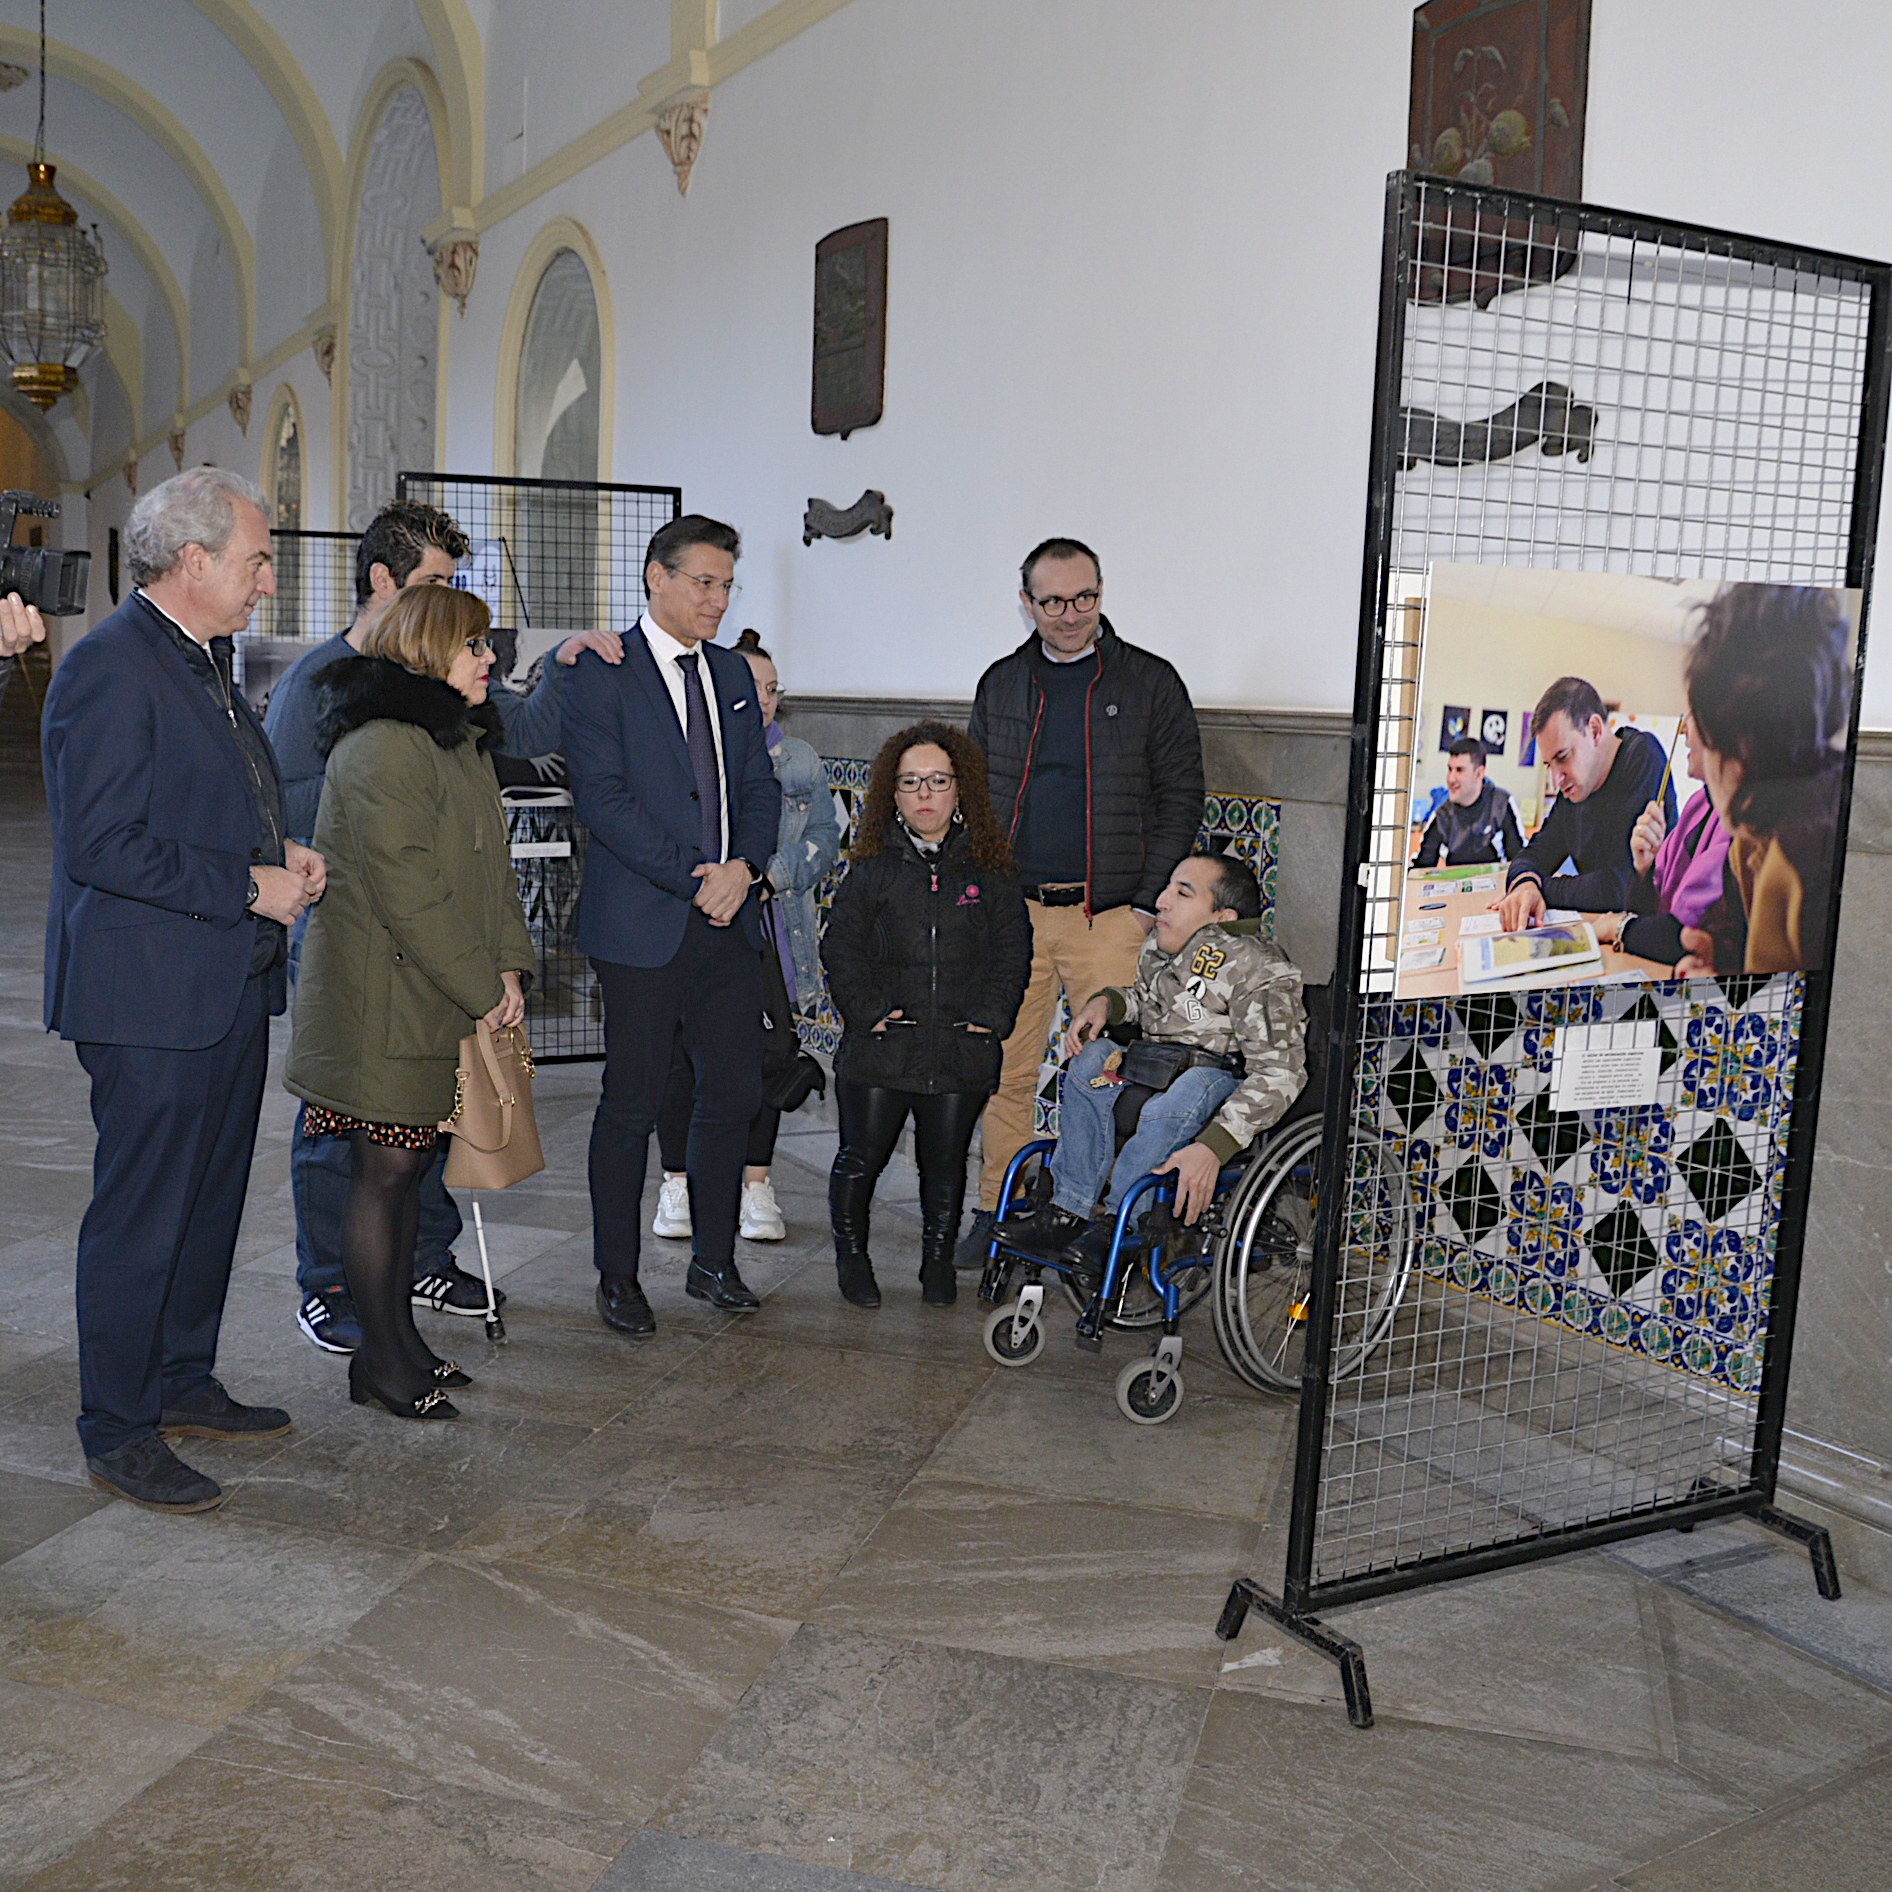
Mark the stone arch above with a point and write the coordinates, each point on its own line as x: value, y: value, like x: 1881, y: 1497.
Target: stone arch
x: 392, y: 374
x: 560, y: 235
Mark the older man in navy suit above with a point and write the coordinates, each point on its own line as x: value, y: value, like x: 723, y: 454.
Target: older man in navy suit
x: 670, y: 773
x: 173, y: 885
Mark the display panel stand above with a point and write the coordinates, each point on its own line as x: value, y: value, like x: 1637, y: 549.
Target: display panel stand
x: 1598, y: 1339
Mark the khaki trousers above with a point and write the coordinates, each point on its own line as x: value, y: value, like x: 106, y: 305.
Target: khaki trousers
x: 1070, y: 953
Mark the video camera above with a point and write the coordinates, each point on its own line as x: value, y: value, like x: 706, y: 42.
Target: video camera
x: 53, y: 580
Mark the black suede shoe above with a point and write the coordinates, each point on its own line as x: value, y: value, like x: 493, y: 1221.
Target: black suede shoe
x: 854, y: 1275
x: 148, y: 1472
x: 1046, y: 1232
x: 975, y: 1245
x: 622, y: 1307
x: 721, y: 1286
x: 1087, y: 1255
x: 938, y: 1285
x: 213, y: 1414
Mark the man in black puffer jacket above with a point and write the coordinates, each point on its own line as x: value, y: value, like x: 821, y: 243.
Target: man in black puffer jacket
x: 1096, y: 773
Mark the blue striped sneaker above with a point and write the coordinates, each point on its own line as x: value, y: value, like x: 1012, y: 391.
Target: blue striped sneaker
x: 328, y: 1321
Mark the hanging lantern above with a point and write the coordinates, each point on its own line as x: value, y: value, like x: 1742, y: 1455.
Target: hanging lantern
x: 52, y: 278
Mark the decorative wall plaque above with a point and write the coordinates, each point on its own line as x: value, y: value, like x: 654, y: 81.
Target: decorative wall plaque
x: 1499, y: 91
x: 850, y: 327
x: 869, y: 513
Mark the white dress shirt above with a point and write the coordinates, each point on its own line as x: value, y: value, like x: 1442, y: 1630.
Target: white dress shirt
x: 666, y: 650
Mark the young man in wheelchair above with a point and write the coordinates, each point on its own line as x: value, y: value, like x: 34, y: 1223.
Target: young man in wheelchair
x: 1216, y: 1053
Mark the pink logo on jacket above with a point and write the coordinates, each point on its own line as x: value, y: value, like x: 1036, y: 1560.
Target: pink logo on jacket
x: 970, y: 898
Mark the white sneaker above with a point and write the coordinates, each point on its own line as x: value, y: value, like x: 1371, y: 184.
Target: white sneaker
x: 673, y: 1208
x: 761, y: 1213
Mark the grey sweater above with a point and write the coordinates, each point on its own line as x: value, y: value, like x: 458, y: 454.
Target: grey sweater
x: 531, y: 724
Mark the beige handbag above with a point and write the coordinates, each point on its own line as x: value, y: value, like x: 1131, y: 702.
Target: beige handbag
x: 495, y: 1137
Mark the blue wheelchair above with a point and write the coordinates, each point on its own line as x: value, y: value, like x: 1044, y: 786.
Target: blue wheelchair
x: 1250, y: 1254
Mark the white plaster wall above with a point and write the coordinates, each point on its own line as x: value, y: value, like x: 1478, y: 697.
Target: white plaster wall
x: 291, y: 270
x: 1134, y: 255
x: 1133, y: 267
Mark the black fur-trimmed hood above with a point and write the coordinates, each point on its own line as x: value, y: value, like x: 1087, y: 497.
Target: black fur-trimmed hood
x: 353, y: 691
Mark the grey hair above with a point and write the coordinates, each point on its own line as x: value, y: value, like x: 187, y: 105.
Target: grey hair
x: 194, y: 508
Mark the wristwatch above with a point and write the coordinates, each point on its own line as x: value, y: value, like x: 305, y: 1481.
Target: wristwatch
x: 256, y: 893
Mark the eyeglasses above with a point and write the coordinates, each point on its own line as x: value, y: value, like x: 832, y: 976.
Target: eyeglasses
x: 1056, y: 607
x: 479, y: 646
x: 912, y: 784
x: 727, y: 586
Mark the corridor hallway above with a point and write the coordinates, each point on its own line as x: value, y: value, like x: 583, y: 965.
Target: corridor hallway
x: 817, y: 1599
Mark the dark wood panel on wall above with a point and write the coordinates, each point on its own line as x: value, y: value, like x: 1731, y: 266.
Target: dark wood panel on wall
x: 850, y: 327
x: 1498, y: 92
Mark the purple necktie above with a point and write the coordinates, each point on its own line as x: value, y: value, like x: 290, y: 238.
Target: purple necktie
x: 696, y: 725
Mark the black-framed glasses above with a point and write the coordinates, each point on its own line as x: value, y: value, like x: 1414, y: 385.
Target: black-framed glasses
x: 1055, y: 607
x: 912, y: 784
x: 479, y: 646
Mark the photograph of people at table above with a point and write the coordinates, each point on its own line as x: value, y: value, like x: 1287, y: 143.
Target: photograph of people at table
x: 1674, y: 780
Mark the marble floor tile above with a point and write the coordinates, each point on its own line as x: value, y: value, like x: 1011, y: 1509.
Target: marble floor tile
x: 1752, y: 1714
x: 1030, y: 1434
x: 666, y: 1862
x: 1565, y: 1651
x: 67, y: 1764
x: 547, y: 1368
x: 188, y: 1618
x: 233, y: 1818
x: 1291, y: 1799
x: 1017, y: 1574
x: 31, y: 1363
x: 1838, y: 1838
x: 388, y: 1481
x: 567, y: 1694
x: 1752, y: 1574
x: 748, y: 1392
x: 754, y: 1531
x: 945, y: 1767
x: 34, y: 1509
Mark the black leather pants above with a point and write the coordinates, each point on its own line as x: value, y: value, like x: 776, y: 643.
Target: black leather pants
x: 871, y: 1122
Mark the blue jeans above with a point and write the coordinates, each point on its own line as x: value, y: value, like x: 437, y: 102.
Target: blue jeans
x: 1087, y: 1131
x: 319, y: 1172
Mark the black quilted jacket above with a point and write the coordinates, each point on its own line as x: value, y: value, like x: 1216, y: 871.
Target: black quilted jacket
x: 1144, y: 786
x: 946, y: 943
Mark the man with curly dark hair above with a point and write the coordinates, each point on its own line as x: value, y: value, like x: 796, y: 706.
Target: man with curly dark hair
x: 927, y: 951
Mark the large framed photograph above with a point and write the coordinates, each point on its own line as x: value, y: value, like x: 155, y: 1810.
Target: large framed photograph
x: 1670, y: 801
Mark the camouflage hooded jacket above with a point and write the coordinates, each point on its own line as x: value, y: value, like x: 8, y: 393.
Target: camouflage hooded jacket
x: 1225, y: 990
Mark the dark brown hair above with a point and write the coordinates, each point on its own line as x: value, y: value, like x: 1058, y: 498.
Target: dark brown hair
x: 398, y: 537
x: 984, y: 836
x: 1576, y: 699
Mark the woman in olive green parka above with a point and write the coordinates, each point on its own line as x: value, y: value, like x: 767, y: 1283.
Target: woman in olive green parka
x: 419, y: 935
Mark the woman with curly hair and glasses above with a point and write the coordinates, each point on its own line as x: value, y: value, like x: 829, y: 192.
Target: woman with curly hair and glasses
x: 927, y: 951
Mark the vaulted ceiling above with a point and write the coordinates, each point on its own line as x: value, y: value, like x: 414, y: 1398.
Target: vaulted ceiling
x: 211, y: 141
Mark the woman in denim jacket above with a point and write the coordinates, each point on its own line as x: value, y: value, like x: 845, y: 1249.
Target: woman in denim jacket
x: 807, y: 845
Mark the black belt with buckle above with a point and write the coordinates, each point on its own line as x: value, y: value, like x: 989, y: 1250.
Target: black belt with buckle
x: 1057, y: 894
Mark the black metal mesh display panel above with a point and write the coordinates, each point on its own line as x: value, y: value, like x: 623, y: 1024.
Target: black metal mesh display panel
x: 1596, y: 1330
x: 564, y: 1010
x: 315, y: 598
x: 550, y: 556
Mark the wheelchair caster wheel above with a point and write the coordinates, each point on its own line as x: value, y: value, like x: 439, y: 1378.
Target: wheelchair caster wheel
x: 1147, y: 1394
x: 1014, y: 1337
x: 495, y: 1327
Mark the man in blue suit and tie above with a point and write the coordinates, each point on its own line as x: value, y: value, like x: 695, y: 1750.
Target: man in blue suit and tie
x: 173, y: 886
x: 670, y: 773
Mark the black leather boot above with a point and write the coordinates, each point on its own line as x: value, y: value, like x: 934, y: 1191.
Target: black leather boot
x: 939, y: 1284
x: 848, y: 1197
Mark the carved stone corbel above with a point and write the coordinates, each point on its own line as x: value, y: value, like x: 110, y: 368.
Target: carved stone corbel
x: 323, y: 348
x: 869, y: 513
x: 131, y: 477
x: 240, y: 406
x: 456, y: 264
x: 175, y: 439
x: 680, y: 126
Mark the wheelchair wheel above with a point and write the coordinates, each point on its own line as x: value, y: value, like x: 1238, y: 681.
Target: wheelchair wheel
x: 1141, y: 1401
x: 1265, y: 1261
x: 1137, y: 1303
x: 1008, y: 1346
